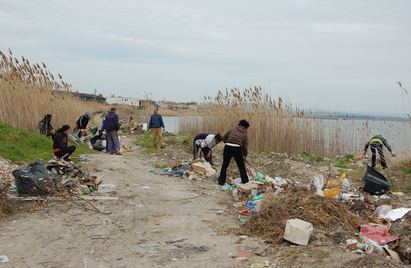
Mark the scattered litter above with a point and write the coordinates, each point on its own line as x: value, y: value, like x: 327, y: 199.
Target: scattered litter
x: 382, y: 211
x: 145, y: 187
x: 377, y: 234
x: 106, y: 188
x: 243, y: 256
x: 4, y: 259
x: 397, y: 213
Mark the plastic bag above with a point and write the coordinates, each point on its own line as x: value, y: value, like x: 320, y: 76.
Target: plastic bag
x: 280, y: 181
x: 318, y: 182
x: 382, y: 211
x: 34, y: 179
x: 332, y: 192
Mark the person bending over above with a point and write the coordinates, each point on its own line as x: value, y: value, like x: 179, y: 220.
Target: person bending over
x: 206, y: 143
x: 376, y: 143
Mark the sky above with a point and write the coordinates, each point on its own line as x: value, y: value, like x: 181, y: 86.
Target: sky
x: 327, y: 55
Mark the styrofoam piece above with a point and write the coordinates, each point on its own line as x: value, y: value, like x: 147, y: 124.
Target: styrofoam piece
x: 298, y: 231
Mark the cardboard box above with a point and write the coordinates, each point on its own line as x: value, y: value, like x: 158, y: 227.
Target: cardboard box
x: 197, y: 167
x: 298, y: 231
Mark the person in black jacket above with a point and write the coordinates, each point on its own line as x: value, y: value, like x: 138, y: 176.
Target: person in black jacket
x: 45, y: 126
x: 60, y: 144
x: 81, y: 124
x: 112, y: 128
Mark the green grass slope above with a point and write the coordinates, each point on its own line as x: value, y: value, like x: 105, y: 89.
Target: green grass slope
x: 20, y: 145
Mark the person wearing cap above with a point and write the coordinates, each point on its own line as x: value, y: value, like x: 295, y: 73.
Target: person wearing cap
x: 155, y: 125
x: 112, y: 127
x: 81, y: 124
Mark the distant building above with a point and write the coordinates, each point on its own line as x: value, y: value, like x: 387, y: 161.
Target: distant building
x: 90, y: 97
x: 123, y: 100
x: 144, y: 103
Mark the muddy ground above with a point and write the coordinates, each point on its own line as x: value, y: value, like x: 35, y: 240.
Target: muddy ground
x: 175, y: 222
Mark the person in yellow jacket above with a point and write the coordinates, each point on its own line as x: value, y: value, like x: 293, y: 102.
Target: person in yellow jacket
x: 376, y: 143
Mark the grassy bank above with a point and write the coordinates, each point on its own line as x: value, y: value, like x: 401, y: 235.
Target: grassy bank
x: 20, y: 145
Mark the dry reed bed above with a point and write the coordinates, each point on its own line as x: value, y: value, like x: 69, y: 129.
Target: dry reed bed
x: 29, y: 91
x: 278, y: 127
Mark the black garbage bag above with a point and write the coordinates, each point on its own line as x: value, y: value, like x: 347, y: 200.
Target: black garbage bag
x: 34, y: 180
x: 375, y: 182
x: 99, y: 136
x: 94, y: 130
x: 98, y: 145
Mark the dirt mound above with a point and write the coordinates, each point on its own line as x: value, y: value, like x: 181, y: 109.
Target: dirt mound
x: 371, y: 260
x: 301, y: 203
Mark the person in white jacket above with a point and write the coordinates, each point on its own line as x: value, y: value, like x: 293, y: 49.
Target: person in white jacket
x: 205, y: 143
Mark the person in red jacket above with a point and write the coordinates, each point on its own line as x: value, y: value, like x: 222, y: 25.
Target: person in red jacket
x: 236, y: 145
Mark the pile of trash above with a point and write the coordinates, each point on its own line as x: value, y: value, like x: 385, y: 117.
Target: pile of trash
x: 39, y: 179
x: 68, y: 176
x: 131, y: 125
x: 324, y: 210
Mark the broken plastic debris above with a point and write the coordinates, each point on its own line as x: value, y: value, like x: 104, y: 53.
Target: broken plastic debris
x: 4, y: 259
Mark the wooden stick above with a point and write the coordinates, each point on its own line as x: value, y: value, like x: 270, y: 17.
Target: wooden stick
x: 256, y: 168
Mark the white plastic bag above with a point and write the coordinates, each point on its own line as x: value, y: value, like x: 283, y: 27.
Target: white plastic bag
x: 318, y: 182
x: 345, y: 186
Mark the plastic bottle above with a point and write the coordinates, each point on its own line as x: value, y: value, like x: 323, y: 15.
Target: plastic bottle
x: 250, y: 205
x: 254, y: 192
x: 225, y: 187
x: 235, y: 192
x: 258, y: 197
x: 257, y: 207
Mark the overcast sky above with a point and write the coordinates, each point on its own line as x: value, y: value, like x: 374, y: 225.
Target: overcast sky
x: 331, y: 55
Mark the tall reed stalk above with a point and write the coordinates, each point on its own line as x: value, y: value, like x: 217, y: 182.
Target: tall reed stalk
x: 29, y: 91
